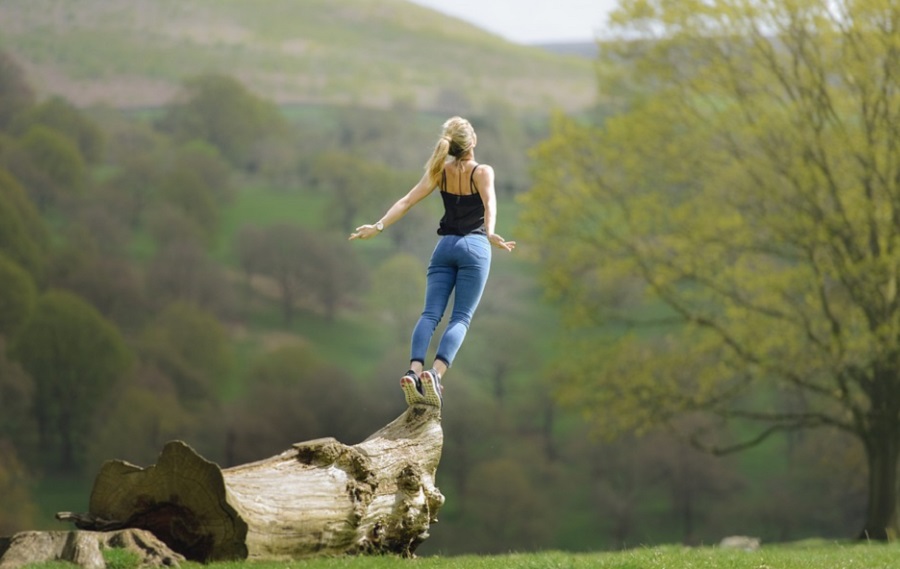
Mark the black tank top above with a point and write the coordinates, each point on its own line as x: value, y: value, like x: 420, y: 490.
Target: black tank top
x: 463, y: 214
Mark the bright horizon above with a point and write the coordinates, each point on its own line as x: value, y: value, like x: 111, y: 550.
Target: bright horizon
x: 531, y: 21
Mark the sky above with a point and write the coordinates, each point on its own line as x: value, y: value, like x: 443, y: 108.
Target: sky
x: 531, y: 21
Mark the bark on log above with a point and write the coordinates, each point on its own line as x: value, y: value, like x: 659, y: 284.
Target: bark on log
x: 84, y: 548
x: 318, y: 498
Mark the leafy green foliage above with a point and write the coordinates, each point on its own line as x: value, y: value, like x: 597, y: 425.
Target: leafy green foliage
x: 15, y: 92
x: 219, y: 110
x: 61, y: 116
x: 352, y: 184
x: 185, y: 192
x: 397, y: 290
x: 23, y: 234
x: 50, y: 166
x: 182, y: 271
x: 18, y: 510
x: 307, y: 266
x: 294, y: 394
x: 147, y: 414
x: 17, y: 296
x: 75, y: 357
x: 17, y: 423
x: 728, y: 242
x: 190, y: 346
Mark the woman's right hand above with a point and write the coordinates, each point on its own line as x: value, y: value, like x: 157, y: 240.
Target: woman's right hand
x: 364, y: 232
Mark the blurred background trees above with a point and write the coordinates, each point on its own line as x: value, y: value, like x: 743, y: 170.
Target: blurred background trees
x: 220, y: 110
x: 16, y: 94
x: 75, y: 358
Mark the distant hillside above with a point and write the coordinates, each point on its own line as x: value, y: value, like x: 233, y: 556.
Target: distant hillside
x: 134, y: 53
x: 584, y: 49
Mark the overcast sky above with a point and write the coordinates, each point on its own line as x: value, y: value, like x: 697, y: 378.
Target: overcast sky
x: 531, y: 21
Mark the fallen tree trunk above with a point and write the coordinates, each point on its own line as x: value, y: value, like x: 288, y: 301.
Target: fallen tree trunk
x: 318, y: 498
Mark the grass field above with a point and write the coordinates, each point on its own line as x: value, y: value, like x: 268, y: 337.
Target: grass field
x: 813, y: 554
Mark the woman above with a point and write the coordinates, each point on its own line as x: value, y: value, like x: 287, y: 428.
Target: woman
x: 461, y: 259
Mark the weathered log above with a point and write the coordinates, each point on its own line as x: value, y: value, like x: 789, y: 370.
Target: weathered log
x: 318, y: 498
x: 84, y: 548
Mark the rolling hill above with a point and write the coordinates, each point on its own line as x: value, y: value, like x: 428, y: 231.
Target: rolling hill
x: 135, y: 53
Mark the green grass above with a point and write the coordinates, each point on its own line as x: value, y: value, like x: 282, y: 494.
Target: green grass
x: 816, y: 555
x: 265, y: 207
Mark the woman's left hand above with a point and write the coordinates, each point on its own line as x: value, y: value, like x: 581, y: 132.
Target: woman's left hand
x: 501, y: 243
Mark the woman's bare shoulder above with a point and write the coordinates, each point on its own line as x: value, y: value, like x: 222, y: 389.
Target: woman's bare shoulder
x: 484, y: 172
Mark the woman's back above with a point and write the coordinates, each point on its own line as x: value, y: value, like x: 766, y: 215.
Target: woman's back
x: 459, y: 177
x: 463, y: 208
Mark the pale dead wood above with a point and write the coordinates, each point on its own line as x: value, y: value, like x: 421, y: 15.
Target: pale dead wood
x: 319, y: 497
x: 84, y: 548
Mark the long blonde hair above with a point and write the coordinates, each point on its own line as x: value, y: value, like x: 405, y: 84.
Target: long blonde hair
x: 457, y: 139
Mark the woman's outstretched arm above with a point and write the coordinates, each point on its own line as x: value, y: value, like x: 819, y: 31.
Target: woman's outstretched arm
x: 398, y: 210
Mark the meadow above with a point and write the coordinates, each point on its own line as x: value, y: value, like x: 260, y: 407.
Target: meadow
x: 813, y: 554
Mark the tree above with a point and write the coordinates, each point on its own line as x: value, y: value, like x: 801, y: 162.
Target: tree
x: 215, y: 173
x: 277, y: 253
x: 503, y: 347
x: 182, y: 270
x: 333, y: 275
x: 507, y: 509
x: 17, y: 296
x: 16, y: 94
x: 145, y: 418
x: 189, y: 345
x: 220, y: 110
x: 506, y: 146
x: 23, y: 235
x: 17, y: 393
x: 690, y: 477
x: 284, y: 383
x: 248, y: 242
x: 187, y: 193
x: 398, y: 290
x: 133, y: 187
x: 18, y: 510
x: 307, y: 266
x: 61, y: 116
x: 353, y: 184
x: 112, y: 285
x: 74, y: 356
x: 731, y: 232
x: 49, y: 165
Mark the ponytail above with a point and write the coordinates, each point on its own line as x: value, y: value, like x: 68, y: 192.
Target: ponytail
x: 456, y: 140
x: 435, y: 164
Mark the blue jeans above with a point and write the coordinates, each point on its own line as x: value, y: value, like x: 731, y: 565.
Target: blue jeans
x: 463, y: 263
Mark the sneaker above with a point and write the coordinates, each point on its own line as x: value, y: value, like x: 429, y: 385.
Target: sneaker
x: 431, y: 388
x: 412, y: 388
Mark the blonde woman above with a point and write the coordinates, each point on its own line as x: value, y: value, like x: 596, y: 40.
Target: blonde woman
x: 461, y: 259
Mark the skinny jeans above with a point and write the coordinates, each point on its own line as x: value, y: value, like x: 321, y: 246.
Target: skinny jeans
x: 459, y: 263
